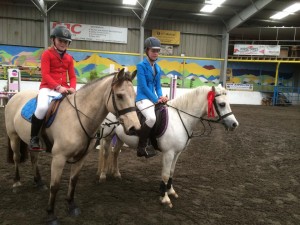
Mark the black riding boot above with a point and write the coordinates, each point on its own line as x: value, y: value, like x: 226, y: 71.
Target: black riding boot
x: 143, y: 149
x: 36, y: 125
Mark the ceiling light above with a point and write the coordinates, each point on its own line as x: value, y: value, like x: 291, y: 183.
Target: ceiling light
x: 211, y: 5
x: 293, y: 8
x: 209, y: 8
x: 129, y: 2
x: 215, y: 2
x: 279, y: 15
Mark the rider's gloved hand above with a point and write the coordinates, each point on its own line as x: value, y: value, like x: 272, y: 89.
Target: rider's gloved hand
x: 62, y: 90
x: 71, y: 90
x: 163, y: 99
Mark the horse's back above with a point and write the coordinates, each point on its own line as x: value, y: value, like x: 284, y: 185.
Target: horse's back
x: 13, y: 120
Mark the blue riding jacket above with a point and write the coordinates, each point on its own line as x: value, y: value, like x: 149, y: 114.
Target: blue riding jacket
x: 148, y: 84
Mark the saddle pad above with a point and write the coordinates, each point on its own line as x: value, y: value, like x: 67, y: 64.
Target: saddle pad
x: 29, y: 109
x: 162, y: 120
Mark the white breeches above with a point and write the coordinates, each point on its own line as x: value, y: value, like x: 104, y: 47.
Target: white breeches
x: 45, y: 96
x: 147, y: 108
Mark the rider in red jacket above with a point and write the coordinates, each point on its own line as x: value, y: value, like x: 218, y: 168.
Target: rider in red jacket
x: 57, y: 68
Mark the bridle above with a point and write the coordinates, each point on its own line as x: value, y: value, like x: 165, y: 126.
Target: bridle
x: 219, y: 120
x: 221, y: 117
x: 122, y: 111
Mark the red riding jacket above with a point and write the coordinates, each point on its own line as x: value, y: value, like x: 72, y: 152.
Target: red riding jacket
x: 56, y: 70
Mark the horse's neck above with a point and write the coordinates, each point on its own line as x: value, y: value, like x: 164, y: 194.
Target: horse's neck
x: 192, y: 106
x: 91, y: 100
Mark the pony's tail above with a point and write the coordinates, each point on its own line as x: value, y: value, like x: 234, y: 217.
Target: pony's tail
x: 23, y: 152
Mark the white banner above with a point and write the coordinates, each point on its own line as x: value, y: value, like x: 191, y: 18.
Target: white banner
x: 240, y: 49
x: 94, y: 32
x: 272, y: 50
x: 239, y: 87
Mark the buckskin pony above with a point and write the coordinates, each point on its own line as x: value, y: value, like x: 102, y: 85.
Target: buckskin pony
x: 72, y: 132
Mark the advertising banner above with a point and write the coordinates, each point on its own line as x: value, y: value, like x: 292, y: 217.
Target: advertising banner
x: 168, y: 37
x: 240, y: 49
x: 239, y: 87
x: 88, y: 32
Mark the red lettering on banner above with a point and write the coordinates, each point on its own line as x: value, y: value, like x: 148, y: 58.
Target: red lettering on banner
x: 55, y: 24
x: 73, y: 29
x: 67, y: 25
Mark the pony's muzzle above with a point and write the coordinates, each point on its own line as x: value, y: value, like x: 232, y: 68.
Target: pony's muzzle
x: 232, y: 126
x: 131, y: 131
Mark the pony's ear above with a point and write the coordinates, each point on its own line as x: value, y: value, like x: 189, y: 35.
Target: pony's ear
x: 120, y: 74
x: 133, y: 74
x: 213, y: 88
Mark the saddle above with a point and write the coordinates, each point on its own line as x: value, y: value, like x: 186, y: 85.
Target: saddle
x: 30, y: 106
x: 161, y: 124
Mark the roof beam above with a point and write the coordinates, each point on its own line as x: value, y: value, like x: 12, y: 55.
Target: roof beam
x: 244, y: 15
x: 146, y: 11
x: 40, y: 4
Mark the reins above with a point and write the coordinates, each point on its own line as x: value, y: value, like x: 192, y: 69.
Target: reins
x: 201, y: 119
x: 118, y: 113
x: 86, y: 133
x: 184, y: 126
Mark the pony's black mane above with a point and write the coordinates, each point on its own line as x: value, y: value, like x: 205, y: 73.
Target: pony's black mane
x: 126, y: 77
x: 97, y: 80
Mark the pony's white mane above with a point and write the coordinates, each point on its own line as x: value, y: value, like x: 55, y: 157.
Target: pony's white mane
x: 186, y: 100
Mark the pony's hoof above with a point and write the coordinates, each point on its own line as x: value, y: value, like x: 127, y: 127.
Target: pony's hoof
x: 165, y: 201
x: 44, y: 187
x: 174, y: 194
x: 41, y: 187
x: 118, y: 176
x: 15, y: 190
x: 52, y: 220
x: 102, y: 179
x: 16, y: 187
x: 74, y: 212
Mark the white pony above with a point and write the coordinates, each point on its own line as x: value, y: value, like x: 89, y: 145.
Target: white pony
x: 184, y: 112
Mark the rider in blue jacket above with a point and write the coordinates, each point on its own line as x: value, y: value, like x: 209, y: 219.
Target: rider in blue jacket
x: 148, y: 93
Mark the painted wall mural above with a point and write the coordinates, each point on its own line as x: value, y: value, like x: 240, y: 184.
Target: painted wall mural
x: 260, y: 74
x: 191, y: 72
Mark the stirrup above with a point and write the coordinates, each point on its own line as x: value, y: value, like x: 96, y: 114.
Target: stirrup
x: 148, y: 152
x: 34, y: 145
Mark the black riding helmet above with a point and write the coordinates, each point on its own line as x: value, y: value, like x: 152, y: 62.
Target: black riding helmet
x: 152, y: 42
x: 62, y: 33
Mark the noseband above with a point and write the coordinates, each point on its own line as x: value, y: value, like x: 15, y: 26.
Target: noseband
x: 122, y: 111
x: 218, y: 112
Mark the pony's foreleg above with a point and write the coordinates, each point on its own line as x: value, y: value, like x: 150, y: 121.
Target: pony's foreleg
x: 115, y: 164
x: 167, y: 160
x: 37, y: 176
x: 103, y: 157
x: 15, y: 146
x: 75, y: 169
x: 170, y: 188
x: 57, y: 166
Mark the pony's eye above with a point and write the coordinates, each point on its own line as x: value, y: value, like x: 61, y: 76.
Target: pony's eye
x: 119, y: 96
x: 222, y: 104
